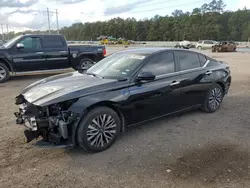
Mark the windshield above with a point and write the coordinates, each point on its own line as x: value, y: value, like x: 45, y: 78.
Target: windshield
x: 11, y: 42
x: 117, y: 65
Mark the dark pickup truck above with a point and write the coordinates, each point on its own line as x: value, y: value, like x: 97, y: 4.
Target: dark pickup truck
x: 43, y: 53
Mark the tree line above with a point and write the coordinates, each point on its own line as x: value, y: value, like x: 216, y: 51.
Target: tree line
x: 210, y: 21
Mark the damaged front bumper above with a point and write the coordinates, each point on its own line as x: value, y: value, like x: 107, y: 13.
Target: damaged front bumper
x: 30, y: 131
x: 56, y: 128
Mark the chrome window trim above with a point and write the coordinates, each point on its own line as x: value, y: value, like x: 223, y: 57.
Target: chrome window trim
x: 184, y: 71
x: 205, y: 65
x: 57, y: 58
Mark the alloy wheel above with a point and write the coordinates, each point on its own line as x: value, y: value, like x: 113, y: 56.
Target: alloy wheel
x: 86, y: 64
x: 3, y: 73
x: 101, y: 131
x: 215, y: 98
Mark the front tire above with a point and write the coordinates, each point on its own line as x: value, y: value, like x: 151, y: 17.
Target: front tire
x: 98, y: 130
x: 213, y: 99
x: 4, y: 73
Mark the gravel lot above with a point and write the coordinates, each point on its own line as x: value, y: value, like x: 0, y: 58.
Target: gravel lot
x: 194, y: 149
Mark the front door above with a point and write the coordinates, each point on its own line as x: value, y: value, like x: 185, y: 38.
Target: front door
x: 29, y: 58
x: 151, y: 99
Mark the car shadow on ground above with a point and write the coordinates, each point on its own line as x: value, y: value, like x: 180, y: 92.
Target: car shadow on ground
x: 214, y: 162
x: 148, y: 126
x: 220, y: 158
x: 211, y: 163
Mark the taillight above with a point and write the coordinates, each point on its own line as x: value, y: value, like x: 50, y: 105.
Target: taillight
x: 104, y: 51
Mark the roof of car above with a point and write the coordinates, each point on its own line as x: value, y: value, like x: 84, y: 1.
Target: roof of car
x: 41, y: 34
x: 147, y: 50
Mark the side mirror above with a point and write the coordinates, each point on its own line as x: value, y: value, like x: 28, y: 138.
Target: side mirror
x: 19, y: 46
x: 146, y: 76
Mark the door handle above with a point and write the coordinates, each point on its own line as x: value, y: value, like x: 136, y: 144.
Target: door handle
x: 63, y: 51
x: 39, y: 53
x: 174, y: 83
x: 208, y: 72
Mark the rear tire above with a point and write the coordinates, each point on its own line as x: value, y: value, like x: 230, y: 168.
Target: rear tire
x: 98, y: 130
x: 4, y: 73
x: 86, y: 63
x: 213, y: 99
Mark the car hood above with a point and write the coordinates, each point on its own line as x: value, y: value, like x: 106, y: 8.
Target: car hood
x: 63, y: 87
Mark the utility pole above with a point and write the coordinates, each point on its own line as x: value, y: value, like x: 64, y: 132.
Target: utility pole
x: 2, y: 32
x: 57, y: 25
x: 7, y: 26
x: 48, y: 19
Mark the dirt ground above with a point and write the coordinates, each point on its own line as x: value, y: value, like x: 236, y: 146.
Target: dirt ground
x: 192, y: 150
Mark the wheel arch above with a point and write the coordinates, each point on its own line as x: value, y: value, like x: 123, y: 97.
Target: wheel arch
x: 222, y: 85
x: 8, y: 65
x: 109, y: 104
x: 113, y: 106
x: 90, y: 56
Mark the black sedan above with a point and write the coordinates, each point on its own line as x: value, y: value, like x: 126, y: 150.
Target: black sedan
x: 126, y: 88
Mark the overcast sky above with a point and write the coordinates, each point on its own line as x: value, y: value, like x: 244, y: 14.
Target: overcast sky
x: 31, y: 14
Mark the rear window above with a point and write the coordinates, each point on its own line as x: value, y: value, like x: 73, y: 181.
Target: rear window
x: 53, y: 42
x: 212, y: 63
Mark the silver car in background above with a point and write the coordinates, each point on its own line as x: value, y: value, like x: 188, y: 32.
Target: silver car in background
x: 205, y: 44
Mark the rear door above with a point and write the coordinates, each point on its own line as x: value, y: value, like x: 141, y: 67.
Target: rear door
x: 56, y: 52
x: 150, y: 99
x: 195, y: 77
x: 29, y: 58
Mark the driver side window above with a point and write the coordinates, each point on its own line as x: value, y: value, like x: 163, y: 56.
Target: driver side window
x: 161, y: 64
x: 31, y: 43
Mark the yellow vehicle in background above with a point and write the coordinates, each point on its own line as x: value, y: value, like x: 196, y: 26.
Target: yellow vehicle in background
x: 105, y: 40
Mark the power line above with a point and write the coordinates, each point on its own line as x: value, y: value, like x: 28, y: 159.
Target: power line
x: 159, y: 2
x: 50, y: 13
x: 57, y: 25
x: 7, y: 26
x: 48, y: 19
x: 2, y: 32
x: 161, y: 8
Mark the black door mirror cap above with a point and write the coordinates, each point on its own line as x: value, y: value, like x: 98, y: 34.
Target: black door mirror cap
x: 145, y: 76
